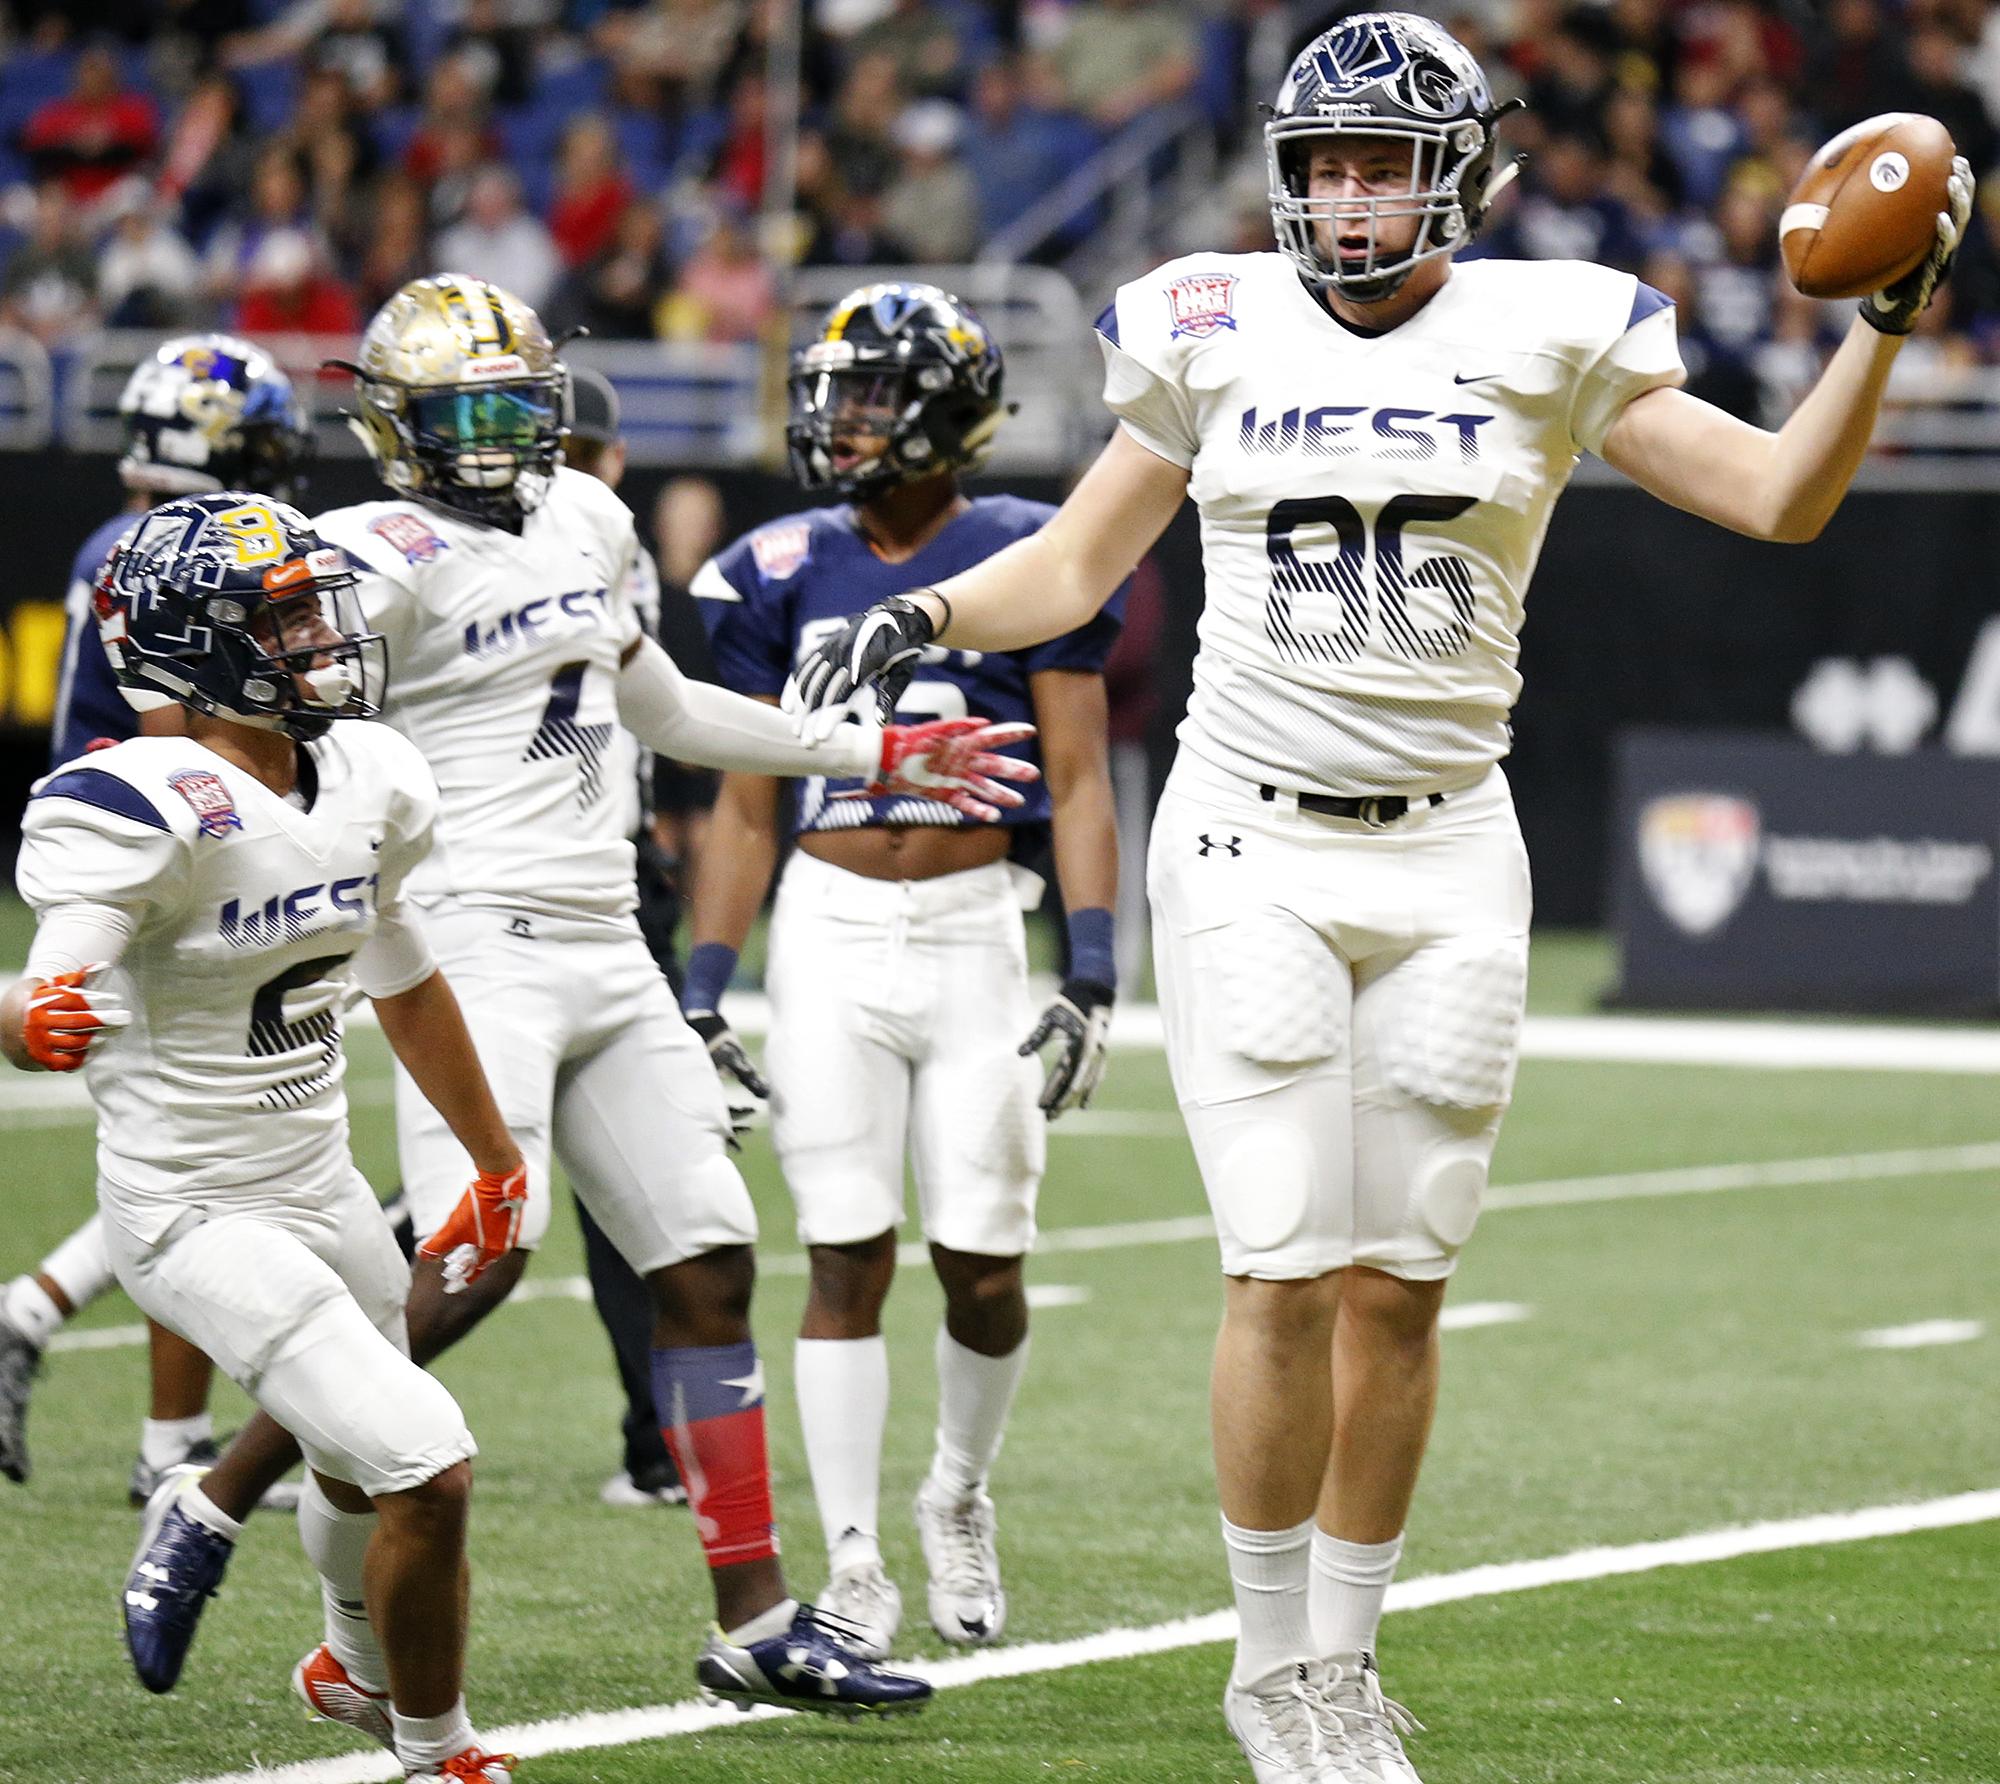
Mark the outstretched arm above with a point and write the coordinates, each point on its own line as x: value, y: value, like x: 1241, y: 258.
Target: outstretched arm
x: 1784, y: 486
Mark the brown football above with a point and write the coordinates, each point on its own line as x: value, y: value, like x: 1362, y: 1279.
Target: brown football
x: 1865, y: 211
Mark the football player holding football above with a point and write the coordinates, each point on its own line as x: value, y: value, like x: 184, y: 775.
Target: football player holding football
x: 1374, y: 437
x: 200, y: 413
x: 205, y: 905
x: 898, y: 970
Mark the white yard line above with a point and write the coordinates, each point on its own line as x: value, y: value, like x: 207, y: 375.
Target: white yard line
x: 1058, y: 1294
x: 1922, y: 1335
x: 1554, y: 1192
x: 1631, y: 1040
x: 1473, y: 1316
x: 619, y: 1728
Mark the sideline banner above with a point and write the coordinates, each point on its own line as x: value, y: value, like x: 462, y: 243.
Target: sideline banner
x: 1755, y: 872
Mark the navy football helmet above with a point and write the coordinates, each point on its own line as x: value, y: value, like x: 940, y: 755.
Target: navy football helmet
x: 207, y: 412
x: 231, y: 604
x: 904, y: 364
x: 1389, y: 75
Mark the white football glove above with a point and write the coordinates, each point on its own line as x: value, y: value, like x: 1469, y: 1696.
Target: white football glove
x: 1081, y: 1018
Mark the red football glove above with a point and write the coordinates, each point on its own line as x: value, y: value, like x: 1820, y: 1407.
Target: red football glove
x: 954, y: 762
x: 65, y: 1019
x: 482, y: 1229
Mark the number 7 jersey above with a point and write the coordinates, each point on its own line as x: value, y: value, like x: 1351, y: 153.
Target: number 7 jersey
x: 1372, y: 505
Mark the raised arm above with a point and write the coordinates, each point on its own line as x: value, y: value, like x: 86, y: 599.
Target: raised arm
x: 1038, y: 588
x: 1784, y: 486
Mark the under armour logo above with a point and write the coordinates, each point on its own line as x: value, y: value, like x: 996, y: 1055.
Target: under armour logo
x: 1233, y: 844
x: 519, y: 926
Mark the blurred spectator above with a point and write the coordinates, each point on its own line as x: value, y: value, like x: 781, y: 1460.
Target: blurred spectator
x: 1018, y: 148
x: 726, y: 290
x: 289, y: 289
x: 277, y: 205
x: 1737, y: 277
x: 841, y: 226
x: 672, y: 54
x: 932, y: 206
x: 209, y: 157
x: 618, y: 295
x: 924, y: 45
x: 336, y: 155
x: 398, y: 246
x: 864, y: 115
x: 453, y: 138
x: 1700, y: 133
x: 1572, y: 75
x: 1936, y: 88
x: 499, y: 241
x: 739, y: 163
x: 1638, y: 172
x: 1857, y: 69
x: 592, y: 190
x: 147, y: 276
x: 96, y: 135
x: 1719, y: 372
x: 358, y: 37
x: 50, y: 287
x: 1568, y: 213
x: 1120, y: 58
x: 497, y: 39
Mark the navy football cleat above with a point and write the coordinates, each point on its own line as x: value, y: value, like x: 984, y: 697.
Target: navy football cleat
x: 812, y: 1666
x: 176, y: 1571
x: 19, y: 1359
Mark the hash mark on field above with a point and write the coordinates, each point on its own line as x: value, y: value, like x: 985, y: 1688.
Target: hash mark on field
x: 619, y: 1728
x: 1057, y: 1294
x: 1475, y: 1314
x: 1922, y: 1335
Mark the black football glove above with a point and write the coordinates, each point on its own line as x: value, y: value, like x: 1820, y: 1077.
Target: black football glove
x: 1895, y: 310
x: 1079, y: 1018
x: 881, y: 644
x: 748, y: 1094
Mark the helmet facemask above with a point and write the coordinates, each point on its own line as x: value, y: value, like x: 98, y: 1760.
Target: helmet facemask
x: 316, y: 660
x: 487, y: 451
x: 1449, y: 165
x: 838, y: 401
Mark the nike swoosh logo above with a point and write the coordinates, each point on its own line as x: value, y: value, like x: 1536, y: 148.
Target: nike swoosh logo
x: 1476, y: 378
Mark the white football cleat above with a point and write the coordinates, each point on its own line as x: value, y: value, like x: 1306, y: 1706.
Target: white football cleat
x: 1371, y: 1724
x: 866, y: 1599
x: 330, y: 1692
x: 1280, y: 1721
x: 968, y: 1604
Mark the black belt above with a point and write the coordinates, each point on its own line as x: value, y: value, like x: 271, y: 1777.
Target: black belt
x: 1376, y: 810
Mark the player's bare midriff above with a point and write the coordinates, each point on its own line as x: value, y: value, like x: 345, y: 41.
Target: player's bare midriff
x: 908, y: 851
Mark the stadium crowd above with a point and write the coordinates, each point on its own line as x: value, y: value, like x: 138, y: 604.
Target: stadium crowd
x: 282, y: 165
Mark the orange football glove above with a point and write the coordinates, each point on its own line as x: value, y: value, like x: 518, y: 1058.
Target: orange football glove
x: 65, y: 1019
x: 482, y: 1229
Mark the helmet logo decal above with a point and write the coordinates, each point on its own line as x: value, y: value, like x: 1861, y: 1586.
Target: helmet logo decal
x: 894, y: 305
x: 1358, y: 56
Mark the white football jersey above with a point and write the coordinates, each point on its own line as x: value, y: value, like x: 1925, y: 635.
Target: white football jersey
x: 504, y: 652
x: 1372, y: 506
x: 250, y: 924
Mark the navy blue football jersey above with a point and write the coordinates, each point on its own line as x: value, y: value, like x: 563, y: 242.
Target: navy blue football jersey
x: 781, y: 590
x: 89, y: 704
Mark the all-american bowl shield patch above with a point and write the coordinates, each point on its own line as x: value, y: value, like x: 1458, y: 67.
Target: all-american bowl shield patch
x: 1202, y: 303
x: 214, y: 810
x: 781, y: 549
x: 409, y: 535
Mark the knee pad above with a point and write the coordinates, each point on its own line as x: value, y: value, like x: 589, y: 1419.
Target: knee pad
x: 1420, y: 1179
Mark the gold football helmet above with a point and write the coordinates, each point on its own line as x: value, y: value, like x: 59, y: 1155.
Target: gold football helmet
x: 462, y: 398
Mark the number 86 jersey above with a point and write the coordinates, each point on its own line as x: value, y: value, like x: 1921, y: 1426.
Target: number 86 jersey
x: 1372, y: 505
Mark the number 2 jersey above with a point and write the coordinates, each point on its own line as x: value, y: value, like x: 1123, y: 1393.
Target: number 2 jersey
x: 504, y: 653
x: 784, y: 588
x: 249, y: 922
x: 1372, y: 505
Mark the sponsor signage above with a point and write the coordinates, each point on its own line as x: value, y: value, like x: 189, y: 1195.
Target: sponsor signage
x: 1752, y: 871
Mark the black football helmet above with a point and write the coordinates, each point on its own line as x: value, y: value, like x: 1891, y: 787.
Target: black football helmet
x: 231, y: 604
x: 1399, y: 76
x: 905, y: 364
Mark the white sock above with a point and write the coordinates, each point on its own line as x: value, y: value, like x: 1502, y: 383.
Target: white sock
x: 843, y: 1389
x: 764, y: 1624
x: 28, y: 1309
x: 336, y: 1543
x: 975, y: 1394
x: 197, y: 1505
x: 165, y: 1442
x: 1349, y: 1582
x: 431, y: 1740
x: 1268, y: 1569
x: 81, y: 1265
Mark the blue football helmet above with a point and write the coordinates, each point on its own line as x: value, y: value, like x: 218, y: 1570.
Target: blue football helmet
x: 903, y: 364
x: 1387, y: 75
x: 211, y: 412
x: 231, y: 604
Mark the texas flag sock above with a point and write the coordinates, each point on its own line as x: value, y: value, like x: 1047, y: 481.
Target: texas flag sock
x: 710, y: 1400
